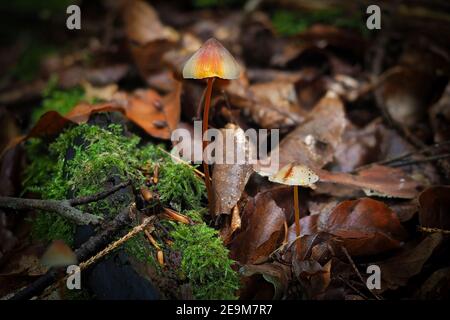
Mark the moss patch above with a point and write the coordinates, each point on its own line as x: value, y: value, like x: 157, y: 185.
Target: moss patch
x: 290, y: 23
x: 205, y: 262
x: 84, y: 158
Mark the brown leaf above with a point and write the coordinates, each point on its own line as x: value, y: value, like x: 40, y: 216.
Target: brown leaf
x: 277, y: 274
x: 274, y: 105
x: 314, y: 278
x: 229, y: 180
x: 145, y: 108
x: 396, y: 271
x: 440, y: 117
x: 314, y: 142
x: 434, y: 207
x: 262, y: 230
x: 436, y: 287
x: 149, y: 38
x: 376, y: 180
x: 366, y: 226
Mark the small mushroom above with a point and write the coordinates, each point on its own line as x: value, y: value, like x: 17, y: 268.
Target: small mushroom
x: 58, y: 254
x: 296, y: 175
x: 212, y: 60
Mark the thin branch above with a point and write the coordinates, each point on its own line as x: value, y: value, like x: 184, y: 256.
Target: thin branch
x: 357, y: 272
x: 433, y: 230
x: 64, y: 208
x: 427, y: 159
x: 87, y: 249
x: 99, y: 196
x: 404, y: 155
x: 61, y: 207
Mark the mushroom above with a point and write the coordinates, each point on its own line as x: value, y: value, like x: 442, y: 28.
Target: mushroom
x: 296, y: 175
x: 58, y: 254
x: 212, y: 60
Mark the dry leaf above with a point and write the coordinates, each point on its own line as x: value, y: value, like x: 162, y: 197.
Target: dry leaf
x: 149, y: 39
x: 366, y: 226
x: 277, y: 274
x: 229, y: 180
x: 434, y: 207
x: 262, y: 230
x: 396, y: 271
x: 376, y: 181
x: 313, y: 143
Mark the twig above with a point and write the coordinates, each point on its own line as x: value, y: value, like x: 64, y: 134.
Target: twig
x: 90, y: 247
x: 61, y: 207
x: 427, y: 159
x: 64, y: 208
x: 357, y: 272
x: 99, y: 196
x: 117, y: 243
x: 433, y: 230
x: 353, y: 287
x: 403, y: 155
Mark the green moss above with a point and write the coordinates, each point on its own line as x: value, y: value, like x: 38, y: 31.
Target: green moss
x: 216, y: 3
x: 102, y: 154
x: 205, y: 262
x: 179, y: 187
x: 290, y: 23
x: 60, y: 101
x: 29, y: 62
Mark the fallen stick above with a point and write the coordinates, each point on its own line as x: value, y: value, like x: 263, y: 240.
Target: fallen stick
x: 89, y: 248
x: 64, y: 208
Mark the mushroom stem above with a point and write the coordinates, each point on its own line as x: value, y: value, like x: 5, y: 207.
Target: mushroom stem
x: 205, y: 142
x: 297, y: 218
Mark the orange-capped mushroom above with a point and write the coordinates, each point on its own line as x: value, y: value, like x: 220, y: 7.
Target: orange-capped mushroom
x: 211, y: 60
x: 58, y: 254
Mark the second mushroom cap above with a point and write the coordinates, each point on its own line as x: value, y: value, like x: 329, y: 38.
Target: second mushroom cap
x: 295, y: 175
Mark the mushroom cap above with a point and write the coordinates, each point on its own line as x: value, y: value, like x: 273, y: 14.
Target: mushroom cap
x: 295, y: 175
x: 58, y: 254
x: 212, y: 59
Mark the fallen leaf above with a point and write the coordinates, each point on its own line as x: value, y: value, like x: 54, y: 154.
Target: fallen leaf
x: 313, y: 277
x: 262, y: 230
x: 156, y: 115
x: 434, y: 207
x: 440, y: 117
x: 149, y: 39
x: 376, y: 181
x: 365, y: 226
x: 313, y: 143
x: 277, y: 274
x: 273, y: 105
x: 396, y: 271
x: 436, y: 287
x: 229, y: 180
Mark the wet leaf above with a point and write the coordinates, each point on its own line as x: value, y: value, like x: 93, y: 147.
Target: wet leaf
x: 277, y: 274
x: 365, y: 226
x: 376, y: 181
x: 229, y: 180
x: 313, y: 143
x: 434, y: 207
x: 396, y: 271
x: 262, y: 230
x: 149, y: 39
